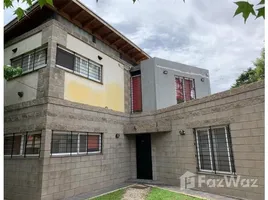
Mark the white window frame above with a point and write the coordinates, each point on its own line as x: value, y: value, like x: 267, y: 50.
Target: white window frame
x: 22, y: 145
x: 78, y: 144
x: 28, y: 56
x: 210, y: 150
x: 183, y: 87
x: 90, y: 63
x: 26, y: 139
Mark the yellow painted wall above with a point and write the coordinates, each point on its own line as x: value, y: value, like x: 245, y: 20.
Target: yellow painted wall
x: 109, y: 94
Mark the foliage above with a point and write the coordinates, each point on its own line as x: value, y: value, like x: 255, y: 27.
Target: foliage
x: 10, y: 72
x: 246, y: 9
x: 21, y: 12
x: 252, y: 75
x: 160, y: 194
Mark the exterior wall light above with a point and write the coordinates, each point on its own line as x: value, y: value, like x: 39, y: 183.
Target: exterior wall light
x: 202, y: 79
x: 20, y: 94
x: 182, y: 132
x: 165, y: 72
x: 117, y: 135
x: 99, y: 57
x: 14, y: 50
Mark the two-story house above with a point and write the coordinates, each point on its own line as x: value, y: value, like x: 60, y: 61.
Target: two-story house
x: 93, y: 110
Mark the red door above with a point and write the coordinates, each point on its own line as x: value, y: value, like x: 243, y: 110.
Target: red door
x: 136, y: 94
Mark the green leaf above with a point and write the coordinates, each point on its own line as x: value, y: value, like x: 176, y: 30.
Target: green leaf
x: 42, y: 3
x: 8, y: 4
x: 10, y: 72
x: 261, y: 2
x: 245, y: 8
x: 49, y: 2
x: 19, y: 12
x: 29, y: 2
x: 261, y: 12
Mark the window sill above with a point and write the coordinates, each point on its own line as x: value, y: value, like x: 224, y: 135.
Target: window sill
x: 229, y: 174
x: 75, y: 155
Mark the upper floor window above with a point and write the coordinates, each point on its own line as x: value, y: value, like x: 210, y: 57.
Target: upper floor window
x: 79, y: 64
x: 214, y: 150
x: 185, y: 89
x: 22, y: 144
x: 31, y: 61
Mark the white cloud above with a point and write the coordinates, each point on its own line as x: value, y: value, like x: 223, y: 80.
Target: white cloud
x: 202, y: 33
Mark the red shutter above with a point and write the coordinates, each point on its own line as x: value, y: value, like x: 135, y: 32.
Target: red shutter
x: 136, y: 94
x: 188, y: 87
x: 179, y: 90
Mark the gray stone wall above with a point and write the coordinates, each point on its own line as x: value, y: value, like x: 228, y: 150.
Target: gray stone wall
x: 174, y: 154
x: 22, y: 178
x: 68, y: 176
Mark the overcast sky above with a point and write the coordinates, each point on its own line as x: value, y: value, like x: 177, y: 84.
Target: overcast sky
x: 202, y: 33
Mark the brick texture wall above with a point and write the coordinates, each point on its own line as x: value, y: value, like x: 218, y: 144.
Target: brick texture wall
x: 174, y: 154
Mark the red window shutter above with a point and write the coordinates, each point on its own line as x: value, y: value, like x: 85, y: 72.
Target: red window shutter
x: 136, y: 94
x: 93, y: 142
x: 188, y: 86
x: 179, y: 90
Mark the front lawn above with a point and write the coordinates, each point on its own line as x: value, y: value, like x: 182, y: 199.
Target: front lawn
x: 160, y: 194
x: 154, y: 194
x: 117, y: 195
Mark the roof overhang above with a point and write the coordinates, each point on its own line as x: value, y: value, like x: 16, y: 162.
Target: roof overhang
x: 78, y: 14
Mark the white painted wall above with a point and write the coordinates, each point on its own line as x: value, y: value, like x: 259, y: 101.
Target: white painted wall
x: 23, y: 46
x: 16, y: 85
x: 12, y: 87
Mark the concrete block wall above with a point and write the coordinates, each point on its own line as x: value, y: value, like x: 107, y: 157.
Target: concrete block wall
x: 22, y: 178
x: 65, y: 177
x: 242, y: 108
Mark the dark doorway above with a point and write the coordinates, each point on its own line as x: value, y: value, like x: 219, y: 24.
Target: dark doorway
x: 144, y: 156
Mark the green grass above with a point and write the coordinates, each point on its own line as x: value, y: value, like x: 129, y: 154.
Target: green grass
x: 117, y: 195
x: 154, y: 194
x: 160, y: 194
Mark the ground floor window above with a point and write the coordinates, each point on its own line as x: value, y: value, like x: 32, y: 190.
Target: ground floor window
x: 214, y: 149
x: 72, y: 143
x: 22, y: 144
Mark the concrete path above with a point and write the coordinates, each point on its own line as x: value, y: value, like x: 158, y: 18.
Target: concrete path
x: 136, y: 192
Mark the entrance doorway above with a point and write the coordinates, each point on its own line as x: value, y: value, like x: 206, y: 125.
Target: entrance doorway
x: 144, y: 156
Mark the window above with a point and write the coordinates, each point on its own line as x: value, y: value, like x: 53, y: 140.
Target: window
x: 73, y: 143
x: 136, y: 93
x: 214, y: 149
x: 79, y: 65
x: 27, y: 144
x: 185, y: 89
x: 65, y: 59
x: 93, y: 39
x: 31, y: 61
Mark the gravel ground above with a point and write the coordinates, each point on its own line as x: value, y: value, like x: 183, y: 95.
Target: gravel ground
x: 137, y: 192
